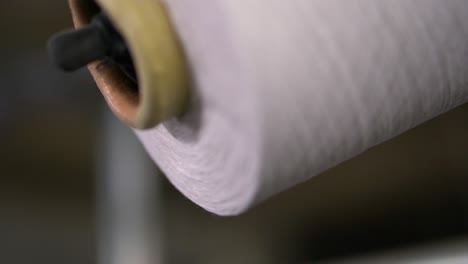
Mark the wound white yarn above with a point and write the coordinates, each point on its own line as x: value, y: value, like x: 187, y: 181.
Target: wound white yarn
x: 284, y: 90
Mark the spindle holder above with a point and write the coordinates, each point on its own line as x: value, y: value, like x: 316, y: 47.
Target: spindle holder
x: 162, y: 90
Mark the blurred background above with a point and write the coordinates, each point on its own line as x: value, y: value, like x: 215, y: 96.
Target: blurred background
x: 76, y: 186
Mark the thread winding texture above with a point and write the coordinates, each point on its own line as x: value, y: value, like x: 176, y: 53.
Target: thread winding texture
x: 284, y: 90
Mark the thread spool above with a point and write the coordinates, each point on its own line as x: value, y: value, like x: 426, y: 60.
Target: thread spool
x: 162, y: 89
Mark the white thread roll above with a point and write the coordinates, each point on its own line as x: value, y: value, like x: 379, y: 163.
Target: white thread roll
x: 287, y: 89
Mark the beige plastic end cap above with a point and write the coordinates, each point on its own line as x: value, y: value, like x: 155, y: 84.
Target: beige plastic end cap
x: 162, y: 91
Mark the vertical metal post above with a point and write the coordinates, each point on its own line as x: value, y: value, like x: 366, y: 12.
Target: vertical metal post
x: 127, y: 199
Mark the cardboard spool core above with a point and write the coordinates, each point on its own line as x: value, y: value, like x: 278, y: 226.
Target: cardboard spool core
x: 162, y: 89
